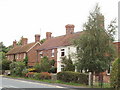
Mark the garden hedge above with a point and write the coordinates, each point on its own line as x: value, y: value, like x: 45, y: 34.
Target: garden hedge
x: 76, y: 77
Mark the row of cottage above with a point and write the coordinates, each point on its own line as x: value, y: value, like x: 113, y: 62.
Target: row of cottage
x: 53, y: 48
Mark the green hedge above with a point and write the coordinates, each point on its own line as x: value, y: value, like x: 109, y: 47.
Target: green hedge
x: 115, y: 74
x: 76, y: 77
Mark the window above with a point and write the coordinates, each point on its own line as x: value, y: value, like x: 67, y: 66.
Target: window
x: 52, y: 52
x: 62, y: 52
x: 41, y: 54
x: 108, y: 71
x: 24, y: 55
x: 62, y: 67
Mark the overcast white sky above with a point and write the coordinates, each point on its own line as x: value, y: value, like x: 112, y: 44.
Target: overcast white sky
x: 26, y: 17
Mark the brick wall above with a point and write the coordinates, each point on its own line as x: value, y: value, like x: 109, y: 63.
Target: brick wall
x: 32, y: 55
x: 48, y: 53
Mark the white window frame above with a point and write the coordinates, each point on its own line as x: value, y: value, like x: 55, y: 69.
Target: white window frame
x: 110, y: 70
x: 62, y: 52
x: 41, y: 54
x: 53, y: 52
x: 24, y: 55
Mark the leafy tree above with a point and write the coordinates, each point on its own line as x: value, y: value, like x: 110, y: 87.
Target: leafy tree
x: 69, y: 66
x: 52, y: 62
x: 6, y: 64
x: 20, y: 41
x: 115, y: 74
x: 94, y: 47
x: 42, y: 41
x: 17, y: 68
x: 26, y: 61
x: 45, y: 64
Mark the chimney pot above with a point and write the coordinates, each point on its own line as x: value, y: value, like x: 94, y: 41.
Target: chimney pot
x: 48, y: 35
x: 14, y: 43
x: 37, y: 37
x: 69, y: 29
x: 24, y: 41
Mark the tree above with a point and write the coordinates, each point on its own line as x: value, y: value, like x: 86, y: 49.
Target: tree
x: 42, y: 41
x: 115, y: 74
x: 45, y: 64
x: 68, y: 64
x: 26, y: 61
x: 95, y: 49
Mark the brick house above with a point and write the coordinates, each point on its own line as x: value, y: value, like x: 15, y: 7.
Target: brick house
x: 18, y: 53
x: 57, y: 47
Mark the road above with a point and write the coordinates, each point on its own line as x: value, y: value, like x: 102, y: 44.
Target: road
x: 15, y: 83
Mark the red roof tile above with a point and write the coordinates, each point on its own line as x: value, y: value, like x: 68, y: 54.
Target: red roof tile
x: 20, y: 49
x: 54, y: 42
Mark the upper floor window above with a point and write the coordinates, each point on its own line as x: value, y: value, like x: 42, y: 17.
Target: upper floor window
x: 52, y: 52
x: 41, y: 54
x: 62, y: 52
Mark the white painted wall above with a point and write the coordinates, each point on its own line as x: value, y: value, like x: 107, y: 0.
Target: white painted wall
x: 67, y: 52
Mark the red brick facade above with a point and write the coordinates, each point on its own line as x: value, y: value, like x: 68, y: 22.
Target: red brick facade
x: 19, y: 53
x: 48, y: 53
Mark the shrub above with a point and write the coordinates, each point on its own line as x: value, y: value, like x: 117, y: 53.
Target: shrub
x: 53, y: 70
x: 69, y: 66
x: 37, y: 76
x: 16, y: 68
x: 30, y: 74
x: 76, y: 77
x: 37, y: 67
x: 31, y: 69
x: 6, y: 64
x: 115, y: 74
x: 24, y: 72
x: 45, y: 75
x: 45, y: 64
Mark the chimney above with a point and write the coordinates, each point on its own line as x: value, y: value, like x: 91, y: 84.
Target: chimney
x: 37, y: 38
x: 69, y: 29
x: 48, y: 35
x: 24, y: 41
x: 14, y: 43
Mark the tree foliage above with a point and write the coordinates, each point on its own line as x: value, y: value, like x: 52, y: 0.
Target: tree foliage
x: 17, y: 68
x: 26, y: 61
x: 68, y: 64
x: 115, y: 74
x: 94, y: 47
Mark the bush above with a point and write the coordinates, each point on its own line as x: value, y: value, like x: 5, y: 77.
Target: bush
x: 37, y: 68
x: 115, y: 74
x: 16, y: 68
x: 53, y: 70
x: 24, y: 72
x: 76, y: 77
x: 30, y: 75
x: 6, y: 64
x: 45, y: 75
x: 37, y: 76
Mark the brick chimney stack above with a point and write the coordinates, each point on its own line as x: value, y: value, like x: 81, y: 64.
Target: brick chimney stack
x: 48, y: 35
x: 69, y: 29
x: 24, y: 41
x: 37, y: 37
x: 14, y: 43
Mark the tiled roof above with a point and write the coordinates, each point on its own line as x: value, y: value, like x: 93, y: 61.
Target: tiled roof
x: 20, y: 49
x: 54, y: 42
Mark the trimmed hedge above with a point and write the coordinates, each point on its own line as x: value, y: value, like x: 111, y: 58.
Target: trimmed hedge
x: 115, y: 74
x: 76, y: 77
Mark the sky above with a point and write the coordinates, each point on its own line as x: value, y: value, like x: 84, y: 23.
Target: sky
x: 29, y: 17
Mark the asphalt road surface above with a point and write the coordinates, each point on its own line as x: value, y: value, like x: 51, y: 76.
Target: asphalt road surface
x: 15, y: 83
